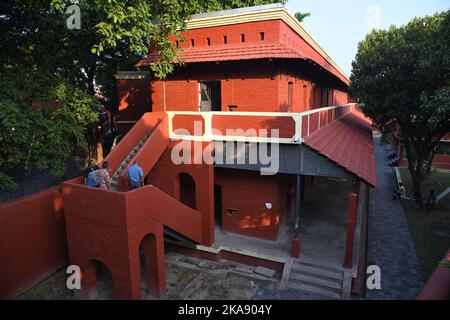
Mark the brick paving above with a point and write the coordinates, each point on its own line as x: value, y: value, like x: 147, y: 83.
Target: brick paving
x: 390, y: 244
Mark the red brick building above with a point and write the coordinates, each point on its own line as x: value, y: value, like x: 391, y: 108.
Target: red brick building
x: 254, y: 70
x: 441, y: 158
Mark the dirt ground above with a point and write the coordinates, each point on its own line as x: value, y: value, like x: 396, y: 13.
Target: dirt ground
x: 186, y: 279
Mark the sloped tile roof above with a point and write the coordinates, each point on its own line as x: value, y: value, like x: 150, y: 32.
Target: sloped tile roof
x: 226, y: 53
x: 349, y: 143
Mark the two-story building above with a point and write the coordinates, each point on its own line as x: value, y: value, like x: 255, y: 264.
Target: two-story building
x: 246, y: 146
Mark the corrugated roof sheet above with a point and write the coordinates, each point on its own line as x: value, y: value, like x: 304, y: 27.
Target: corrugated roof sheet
x: 349, y: 143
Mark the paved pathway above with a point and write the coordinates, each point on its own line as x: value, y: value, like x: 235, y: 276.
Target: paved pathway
x: 390, y: 245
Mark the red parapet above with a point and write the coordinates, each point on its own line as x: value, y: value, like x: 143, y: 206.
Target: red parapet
x: 254, y: 124
x: 438, y: 286
x: 144, y: 126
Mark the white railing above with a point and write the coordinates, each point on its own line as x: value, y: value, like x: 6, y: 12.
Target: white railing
x: 301, y: 120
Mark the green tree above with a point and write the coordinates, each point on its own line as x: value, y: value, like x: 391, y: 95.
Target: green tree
x: 401, y: 76
x: 43, y: 120
x: 300, y: 16
x: 40, y: 57
x: 140, y: 24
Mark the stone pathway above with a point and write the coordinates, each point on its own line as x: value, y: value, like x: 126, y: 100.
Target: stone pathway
x: 390, y: 244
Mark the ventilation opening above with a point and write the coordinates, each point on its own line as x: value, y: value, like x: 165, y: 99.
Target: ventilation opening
x: 225, y: 39
x: 178, y: 43
x: 243, y: 37
x: 187, y: 190
x: 192, y: 43
x: 208, y: 41
x: 262, y: 36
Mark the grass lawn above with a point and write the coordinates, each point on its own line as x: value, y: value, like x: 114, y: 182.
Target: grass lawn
x: 430, y: 230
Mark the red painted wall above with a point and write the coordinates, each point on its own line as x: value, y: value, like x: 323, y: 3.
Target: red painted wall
x: 134, y: 100
x: 165, y: 176
x: 441, y: 161
x: 251, y: 30
x: 247, y: 193
x: 438, y: 286
x: 248, y: 85
x: 32, y: 241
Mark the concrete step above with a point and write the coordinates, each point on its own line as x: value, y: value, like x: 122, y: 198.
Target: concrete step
x: 317, y: 271
x: 126, y: 162
x: 322, y: 264
x: 315, y: 281
x: 314, y: 289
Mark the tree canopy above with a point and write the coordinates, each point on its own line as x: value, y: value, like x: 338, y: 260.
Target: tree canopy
x: 43, y: 63
x: 402, y: 76
x: 141, y: 24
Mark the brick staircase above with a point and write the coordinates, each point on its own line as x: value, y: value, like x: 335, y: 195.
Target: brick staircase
x: 314, y: 277
x: 125, y: 163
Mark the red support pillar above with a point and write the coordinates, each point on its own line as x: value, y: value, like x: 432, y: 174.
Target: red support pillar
x: 295, y: 248
x: 154, y: 258
x: 127, y: 285
x: 351, y: 226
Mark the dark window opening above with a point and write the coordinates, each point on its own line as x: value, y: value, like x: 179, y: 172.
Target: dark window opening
x: 218, y: 205
x: 208, y: 40
x: 187, y: 190
x: 262, y: 36
x: 290, y: 96
x: 192, y: 43
x: 210, y: 96
x: 225, y: 39
x: 178, y: 43
x: 243, y: 37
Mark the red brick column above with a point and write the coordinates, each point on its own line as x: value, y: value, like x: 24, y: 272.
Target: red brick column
x: 154, y: 259
x: 295, y: 248
x: 351, y: 226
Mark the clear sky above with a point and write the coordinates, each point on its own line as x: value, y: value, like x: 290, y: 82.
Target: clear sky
x: 338, y: 25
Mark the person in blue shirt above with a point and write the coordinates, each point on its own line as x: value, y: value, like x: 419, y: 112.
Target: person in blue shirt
x: 90, y: 174
x: 135, y: 176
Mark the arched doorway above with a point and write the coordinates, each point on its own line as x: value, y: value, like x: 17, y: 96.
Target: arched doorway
x: 104, y: 283
x: 187, y: 190
x: 152, y: 277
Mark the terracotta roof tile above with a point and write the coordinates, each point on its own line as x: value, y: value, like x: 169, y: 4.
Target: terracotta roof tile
x: 192, y: 55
